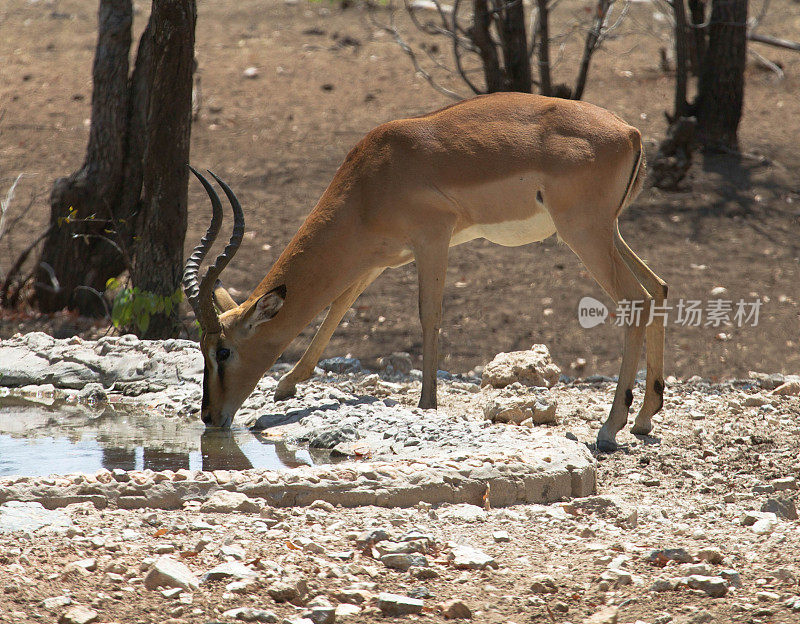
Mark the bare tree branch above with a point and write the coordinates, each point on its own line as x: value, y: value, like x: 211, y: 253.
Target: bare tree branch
x: 392, y: 30
x: 5, y: 203
x: 774, y: 41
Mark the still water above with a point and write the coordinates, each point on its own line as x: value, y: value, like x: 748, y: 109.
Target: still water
x: 42, y: 435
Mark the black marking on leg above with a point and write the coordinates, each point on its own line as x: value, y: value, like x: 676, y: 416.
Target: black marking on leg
x: 628, y: 397
x: 539, y: 197
x: 658, y: 386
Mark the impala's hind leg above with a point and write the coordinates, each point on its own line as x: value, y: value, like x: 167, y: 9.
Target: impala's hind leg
x: 287, y: 386
x: 654, y: 336
x: 594, y: 245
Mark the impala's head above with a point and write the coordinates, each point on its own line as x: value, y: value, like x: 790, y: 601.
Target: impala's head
x: 232, y: 368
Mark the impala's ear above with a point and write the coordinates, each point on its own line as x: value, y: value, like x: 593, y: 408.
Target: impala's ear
x: 268, y: 305
x: 222, y: 298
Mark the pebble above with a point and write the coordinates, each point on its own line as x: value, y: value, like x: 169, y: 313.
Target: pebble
x: 714, y: 586
x: 607, y: 615
x: 322, y: 615
x: 542, y: 584
x: 78, y: 615
x: 617, y: 576
x: 501, y: 536
x: 403, y: 561
x: 662, y: 585
x: 469, y: 558
x: 395, y: 604
x: 781, y: 507
x: 534, y: 367
x: 347, y: 611
x: 286, y: 590
x: 56, y: 602
x: 168, y: 572
x: 712, y: 555
x: 223, y: 501
x: 456, y: 609
x: 733, y: 578
x: 250, y: 614
x: 228, y: 570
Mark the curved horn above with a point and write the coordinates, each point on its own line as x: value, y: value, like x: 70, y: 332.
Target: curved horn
x: 208, y: 315
x: 190, y: 271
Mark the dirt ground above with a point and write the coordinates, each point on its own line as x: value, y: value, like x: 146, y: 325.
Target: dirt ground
x: 278, y: 139
x: 325, y: 76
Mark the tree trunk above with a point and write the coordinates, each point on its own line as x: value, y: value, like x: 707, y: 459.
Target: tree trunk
x: 545, y: 83
x: 697, y: 48
x: 511, y: 26
x: 162, y: 221
x: 721, y: 87
x: 482, y: 38
x: 681, y: 61
x: 592, y: 41
x: 77, y: 253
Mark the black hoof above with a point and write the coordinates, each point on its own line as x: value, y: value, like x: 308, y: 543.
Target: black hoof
x: 604, y: 446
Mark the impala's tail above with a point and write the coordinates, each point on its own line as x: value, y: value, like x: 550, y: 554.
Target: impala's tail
x: 636, y: 180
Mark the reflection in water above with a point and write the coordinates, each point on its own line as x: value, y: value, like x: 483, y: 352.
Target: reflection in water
x: 152, y: 458
x: 220, y: 452
x: 38, y: 439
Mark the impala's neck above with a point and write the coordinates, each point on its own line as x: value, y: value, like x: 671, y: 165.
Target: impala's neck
x: 318, y: 264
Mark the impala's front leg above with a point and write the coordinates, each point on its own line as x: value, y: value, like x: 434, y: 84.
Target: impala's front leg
x: 287, y: 386
x: 431, y: 257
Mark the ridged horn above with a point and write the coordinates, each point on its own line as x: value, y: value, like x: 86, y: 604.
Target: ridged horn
x: 208, y: 315
x: 190, y: 283
x: 203, y: 294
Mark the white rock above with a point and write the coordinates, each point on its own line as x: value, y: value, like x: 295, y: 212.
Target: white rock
x: 347, y: 611
x: 714, y: 586
x: 250, y: 614
x: 469, y: 558
x: 228, y: 570
x: 223, y: 501
x: 78, y: 615
x: 234, y: 551
x: 463, y: 513
x: 56, y: 602
x: 530, y: 368
x: 751, y: 517
x: 764, y: 526
x: 168, y: 572
x: 395, y: 604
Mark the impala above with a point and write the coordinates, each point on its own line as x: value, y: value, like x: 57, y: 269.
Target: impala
x: 509, y: 167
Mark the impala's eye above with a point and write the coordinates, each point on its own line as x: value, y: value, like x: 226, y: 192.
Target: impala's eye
x: 223, y: 354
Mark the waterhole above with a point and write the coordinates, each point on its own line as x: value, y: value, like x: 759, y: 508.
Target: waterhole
x: 45, y: 435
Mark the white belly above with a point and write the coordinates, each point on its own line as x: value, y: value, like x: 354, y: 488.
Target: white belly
x: 509, y: 233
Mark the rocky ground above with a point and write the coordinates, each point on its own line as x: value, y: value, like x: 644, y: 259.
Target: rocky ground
x: 695, y: 524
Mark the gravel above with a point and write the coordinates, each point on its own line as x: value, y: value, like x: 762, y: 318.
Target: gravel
x: 706, y: 544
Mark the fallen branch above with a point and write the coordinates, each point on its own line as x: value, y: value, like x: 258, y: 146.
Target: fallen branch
x: 767, y: 64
